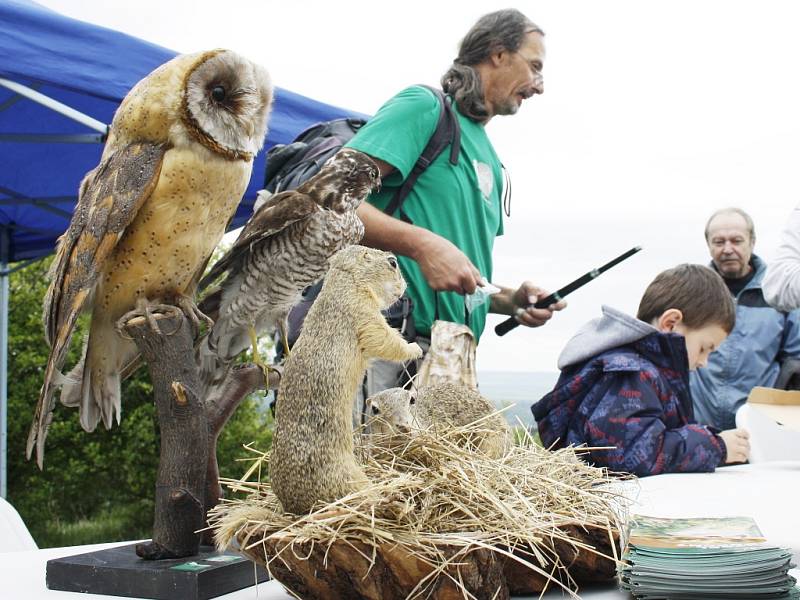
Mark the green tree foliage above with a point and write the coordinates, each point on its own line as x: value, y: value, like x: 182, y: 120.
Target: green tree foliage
x: 95, y: 487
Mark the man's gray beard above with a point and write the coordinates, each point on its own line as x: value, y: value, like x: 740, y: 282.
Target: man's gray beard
x: 507, y: 108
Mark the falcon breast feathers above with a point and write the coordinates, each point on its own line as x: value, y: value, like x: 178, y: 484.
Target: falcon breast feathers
x: 283, y: 248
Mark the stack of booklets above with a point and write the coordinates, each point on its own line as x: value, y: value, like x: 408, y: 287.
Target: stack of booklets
x: 704, y: 559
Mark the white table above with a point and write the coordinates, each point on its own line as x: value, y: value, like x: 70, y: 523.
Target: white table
x: 768, y: 492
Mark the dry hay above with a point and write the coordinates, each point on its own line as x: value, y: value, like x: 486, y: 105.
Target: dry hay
x: 547, y: 518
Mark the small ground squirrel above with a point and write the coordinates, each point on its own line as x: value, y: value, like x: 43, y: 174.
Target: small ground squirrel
x: 312, y: 453
x: 438, y: 406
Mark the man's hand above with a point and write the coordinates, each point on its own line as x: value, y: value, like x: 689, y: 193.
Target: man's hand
x: 445, y: 267
x: 737, y: 443
x: 519, y: 303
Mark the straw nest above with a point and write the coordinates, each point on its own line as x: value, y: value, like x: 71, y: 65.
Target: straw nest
x: 439, y: 520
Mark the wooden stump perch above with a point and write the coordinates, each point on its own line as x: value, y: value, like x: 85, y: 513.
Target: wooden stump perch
x: 220, y: 403
x: 180, y: 486
x: 188, y: 476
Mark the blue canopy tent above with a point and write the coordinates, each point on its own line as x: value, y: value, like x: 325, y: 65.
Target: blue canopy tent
x: 60, y: 82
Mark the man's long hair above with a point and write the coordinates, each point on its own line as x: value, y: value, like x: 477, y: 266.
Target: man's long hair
x: 496, y: 31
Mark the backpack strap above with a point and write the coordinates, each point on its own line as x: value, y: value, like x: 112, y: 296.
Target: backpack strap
x: 447, y: 132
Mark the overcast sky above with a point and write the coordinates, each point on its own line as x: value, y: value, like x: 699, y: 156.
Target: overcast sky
x: 654, y: 115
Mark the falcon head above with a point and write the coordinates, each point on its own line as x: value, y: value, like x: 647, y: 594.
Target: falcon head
x: 346, y: 179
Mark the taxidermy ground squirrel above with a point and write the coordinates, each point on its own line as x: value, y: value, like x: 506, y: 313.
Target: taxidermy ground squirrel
x: 439, y: 406
x: 312, y: 450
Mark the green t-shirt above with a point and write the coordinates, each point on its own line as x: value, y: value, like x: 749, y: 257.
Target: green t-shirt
x: 459, y: 202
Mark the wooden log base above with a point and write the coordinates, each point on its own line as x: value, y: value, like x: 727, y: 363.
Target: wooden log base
x: 353, y: 569
x: 577, y: 566
x: 345, y: 571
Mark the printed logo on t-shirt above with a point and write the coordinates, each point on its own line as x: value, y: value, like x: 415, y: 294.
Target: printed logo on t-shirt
x: 485, y: 179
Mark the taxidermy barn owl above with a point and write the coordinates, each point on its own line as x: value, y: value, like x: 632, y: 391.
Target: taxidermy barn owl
x: 283, y: 248
x: 176, y: 164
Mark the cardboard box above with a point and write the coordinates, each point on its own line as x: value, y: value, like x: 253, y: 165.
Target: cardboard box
x: 780, y: 405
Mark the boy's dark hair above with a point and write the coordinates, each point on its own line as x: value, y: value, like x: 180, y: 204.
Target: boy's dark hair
x: 499, y: 30
x: 695, y: 290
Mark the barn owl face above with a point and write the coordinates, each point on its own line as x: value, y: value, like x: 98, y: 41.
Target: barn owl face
x: 226, y: 103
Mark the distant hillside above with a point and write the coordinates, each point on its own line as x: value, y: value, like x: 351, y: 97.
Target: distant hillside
x: 503, y: 388
x: 518, y: 388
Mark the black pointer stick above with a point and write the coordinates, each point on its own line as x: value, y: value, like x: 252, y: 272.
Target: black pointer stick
x: 510, y: 323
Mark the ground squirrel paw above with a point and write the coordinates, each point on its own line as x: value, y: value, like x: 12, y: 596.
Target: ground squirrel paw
x: 414, y: 351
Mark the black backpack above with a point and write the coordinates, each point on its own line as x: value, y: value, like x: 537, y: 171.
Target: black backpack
x: 291, y: 164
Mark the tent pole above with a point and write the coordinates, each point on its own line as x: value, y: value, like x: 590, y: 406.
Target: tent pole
x: 55, y: 105
x: 4, y: 291
x: 45, y: 138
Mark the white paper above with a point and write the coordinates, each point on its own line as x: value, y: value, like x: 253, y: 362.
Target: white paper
x: 769, y: 441
x: 480, y: 295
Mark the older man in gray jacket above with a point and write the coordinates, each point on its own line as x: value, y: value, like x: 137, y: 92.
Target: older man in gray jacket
x: 763, y: 338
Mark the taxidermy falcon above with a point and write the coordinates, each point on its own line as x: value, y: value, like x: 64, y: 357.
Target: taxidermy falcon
x: 283, y: 248
x: 176, y: 164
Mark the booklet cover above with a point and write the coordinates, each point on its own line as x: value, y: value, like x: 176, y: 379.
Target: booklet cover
x: 656, y: 532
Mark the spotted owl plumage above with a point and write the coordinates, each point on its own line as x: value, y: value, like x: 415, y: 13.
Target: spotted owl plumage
x: 177, y: 161
x: 284, y: 248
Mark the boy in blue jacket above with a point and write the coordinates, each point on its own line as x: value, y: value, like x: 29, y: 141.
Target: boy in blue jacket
x: 625, y: 382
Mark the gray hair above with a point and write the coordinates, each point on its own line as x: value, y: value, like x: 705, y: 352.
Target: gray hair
x: 494, y: 32
x: 732, y: 210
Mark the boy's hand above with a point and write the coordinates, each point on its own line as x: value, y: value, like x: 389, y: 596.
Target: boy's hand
x: 737, y: 442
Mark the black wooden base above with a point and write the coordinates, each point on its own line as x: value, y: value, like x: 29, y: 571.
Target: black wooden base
x: 119, y: 572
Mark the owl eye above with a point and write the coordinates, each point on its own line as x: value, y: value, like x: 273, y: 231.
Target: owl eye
x: 375, y: 410
x: 412, y: 400
x: 392, y: 262
x: 218, y: 93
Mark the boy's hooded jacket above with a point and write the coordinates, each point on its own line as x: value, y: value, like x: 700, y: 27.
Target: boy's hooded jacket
x: 625, y: 384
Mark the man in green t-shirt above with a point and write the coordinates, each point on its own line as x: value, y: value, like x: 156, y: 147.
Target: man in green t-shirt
x: 445, y: 231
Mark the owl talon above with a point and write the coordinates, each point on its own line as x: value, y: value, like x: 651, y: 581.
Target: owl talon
x: 193, y: 313
x: 167, y: 310
x: 145, y: 310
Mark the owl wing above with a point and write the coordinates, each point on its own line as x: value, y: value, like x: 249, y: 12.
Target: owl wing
x: 275, y: 215
x: 110, y: 196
